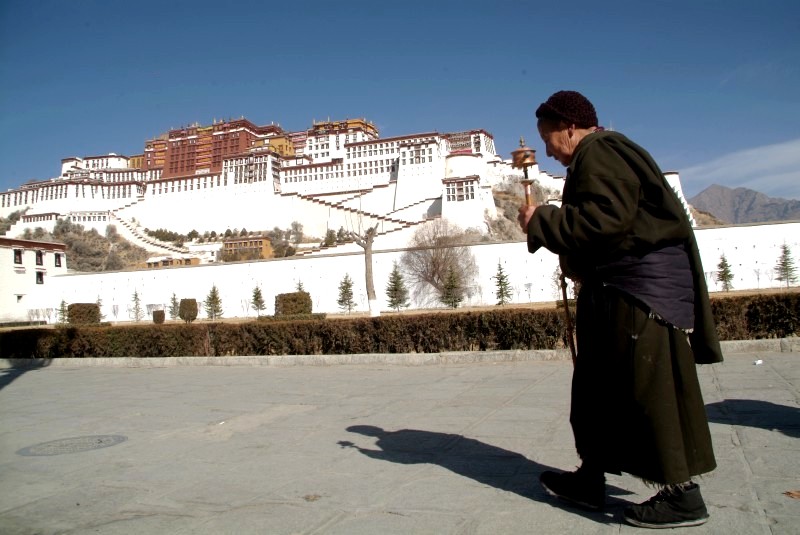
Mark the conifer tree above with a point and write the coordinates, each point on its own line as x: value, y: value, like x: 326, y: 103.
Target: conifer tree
x: 138, y: 313
x: 396, y: 290
x: 503, y: 290
x: 99, y: 304
x: 63, y: 312
x: 258, y: 301
x: 724, y: 274
x: 330, y: 238
x: 784, y: 269
x: 299, y: 287
x: 452, y: 292
x: 345, y: 300
x: 174, y: 307
x: 213, y: 304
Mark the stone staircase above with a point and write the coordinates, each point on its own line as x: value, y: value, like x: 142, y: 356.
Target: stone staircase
x: 339, y: 205
x: 396, y: 224
x: 17, y: 229
x: 330, y: 248
x: 132, y: 233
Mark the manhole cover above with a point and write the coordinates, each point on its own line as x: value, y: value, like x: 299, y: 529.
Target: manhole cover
x: 72, y: 445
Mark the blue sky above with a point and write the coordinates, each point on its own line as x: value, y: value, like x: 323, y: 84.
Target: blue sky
x: 710, y: 88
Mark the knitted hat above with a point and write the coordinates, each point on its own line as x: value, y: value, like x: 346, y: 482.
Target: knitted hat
x: 570, y: 107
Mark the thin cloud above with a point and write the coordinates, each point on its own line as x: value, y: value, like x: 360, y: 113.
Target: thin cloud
x: 773, y: 70
x: 773, y: 170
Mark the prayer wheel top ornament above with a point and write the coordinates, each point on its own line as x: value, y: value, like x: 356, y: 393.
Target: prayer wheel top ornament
x: 522, y: 158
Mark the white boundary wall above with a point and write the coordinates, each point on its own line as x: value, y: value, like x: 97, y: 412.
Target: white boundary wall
x: 752, y: 251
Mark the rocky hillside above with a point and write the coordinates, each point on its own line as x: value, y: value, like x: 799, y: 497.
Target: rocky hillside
x: 742, y: 205
x: 508, y: 197
x: 87, y: 250
x: 704, y: 219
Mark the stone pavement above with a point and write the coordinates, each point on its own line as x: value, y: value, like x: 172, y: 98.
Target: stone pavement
x: 376, y: 448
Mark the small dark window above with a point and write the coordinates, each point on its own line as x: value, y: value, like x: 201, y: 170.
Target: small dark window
x: 58, y: 259
x: 39, y: 258
x: 39, y: 277
x: 17, y: 256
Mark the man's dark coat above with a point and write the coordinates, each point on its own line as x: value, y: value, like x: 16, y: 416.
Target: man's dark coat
x: 646, y: 403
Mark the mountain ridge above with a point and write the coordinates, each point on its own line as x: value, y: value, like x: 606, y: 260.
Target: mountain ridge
x: 742, y: 205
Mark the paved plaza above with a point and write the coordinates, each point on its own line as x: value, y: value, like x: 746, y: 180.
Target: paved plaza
x: 371, y: 448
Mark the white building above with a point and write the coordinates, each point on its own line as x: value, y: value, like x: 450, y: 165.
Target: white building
x: 27, y: 271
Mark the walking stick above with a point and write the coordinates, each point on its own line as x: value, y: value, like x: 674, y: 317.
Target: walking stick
x: 570, y: 327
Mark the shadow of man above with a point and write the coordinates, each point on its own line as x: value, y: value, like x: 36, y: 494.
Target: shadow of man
x: 9, y: 375
x: 487, y: 464
x: 756, y: 413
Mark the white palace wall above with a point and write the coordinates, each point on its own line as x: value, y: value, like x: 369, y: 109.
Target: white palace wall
x: 251, y: 206
x: 752, y: 252
x: 529, y: 275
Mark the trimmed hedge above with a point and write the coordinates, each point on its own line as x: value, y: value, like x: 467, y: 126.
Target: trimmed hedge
x: 294, y: 317
x: 158, y: 317
x: 758, y: 316
x: 423, y: 333
x: 764, y: 316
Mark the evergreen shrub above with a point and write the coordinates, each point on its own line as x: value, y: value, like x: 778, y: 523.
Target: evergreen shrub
x: 187, y: 310
x: 83, y: 313
x: 293, y: 303
x: 158, y: 317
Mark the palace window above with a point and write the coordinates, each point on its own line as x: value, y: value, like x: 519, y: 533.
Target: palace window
x: 39, y: 258
x: 39, y: 277
x: 460, y: 191
x: 58, y: 259
x: 17, y: 256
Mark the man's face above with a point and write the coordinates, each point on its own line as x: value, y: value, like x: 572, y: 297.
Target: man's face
x: 557, y: 143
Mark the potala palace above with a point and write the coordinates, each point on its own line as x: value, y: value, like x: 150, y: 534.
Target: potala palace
x: 237, y: 174
x: 337, y: 174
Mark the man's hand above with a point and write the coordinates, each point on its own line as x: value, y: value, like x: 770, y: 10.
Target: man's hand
x: 525, y: 214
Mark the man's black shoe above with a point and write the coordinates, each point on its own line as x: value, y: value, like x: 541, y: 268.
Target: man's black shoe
x: 584, y: 488
x: 677, y: 507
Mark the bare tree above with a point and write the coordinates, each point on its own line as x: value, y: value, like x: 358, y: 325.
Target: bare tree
x: 435, y: 249
x: 364, y: 240
x: 364, y: 236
